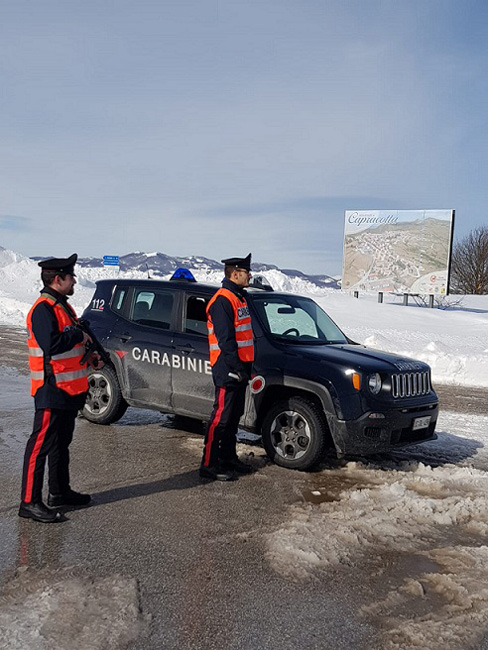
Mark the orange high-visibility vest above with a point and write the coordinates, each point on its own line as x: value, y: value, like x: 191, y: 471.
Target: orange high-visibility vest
x: 68, y: 373
x: 242, y: 324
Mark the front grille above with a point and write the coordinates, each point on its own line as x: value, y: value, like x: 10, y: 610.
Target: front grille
x: 374, y: 432
x: 410, y: 384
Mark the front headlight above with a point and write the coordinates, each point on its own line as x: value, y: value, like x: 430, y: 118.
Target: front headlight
x: 374, y: 383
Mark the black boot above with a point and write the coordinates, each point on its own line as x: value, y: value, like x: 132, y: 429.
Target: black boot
x: 217, y: 473
x: 236, y: 465
x: 39, y: 512
x: 69, y: 498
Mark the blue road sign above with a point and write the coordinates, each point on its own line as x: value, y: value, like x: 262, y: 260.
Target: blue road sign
x: 111, y: 260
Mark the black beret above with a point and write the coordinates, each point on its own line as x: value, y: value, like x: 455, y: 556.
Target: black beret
x: 239, y: 262
x: 63, y: 265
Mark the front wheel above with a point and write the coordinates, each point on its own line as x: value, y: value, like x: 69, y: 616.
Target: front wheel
x: 104, y: 402
x: 295, y: 433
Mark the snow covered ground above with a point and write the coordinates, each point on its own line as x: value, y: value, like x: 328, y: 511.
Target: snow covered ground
x: 453, y: 340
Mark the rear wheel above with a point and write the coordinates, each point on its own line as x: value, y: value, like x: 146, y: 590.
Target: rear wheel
x: 295, y: 433
x: 104, y: 402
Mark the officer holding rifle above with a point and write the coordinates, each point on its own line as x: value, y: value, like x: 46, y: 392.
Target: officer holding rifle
x: 59, y: 385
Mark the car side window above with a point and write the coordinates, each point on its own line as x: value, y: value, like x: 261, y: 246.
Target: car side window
x: 118, y: 299
x: 196, y: 315
x: 152, y: 308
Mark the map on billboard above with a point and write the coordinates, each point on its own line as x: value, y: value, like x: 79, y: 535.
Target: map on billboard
x: 405, y: 251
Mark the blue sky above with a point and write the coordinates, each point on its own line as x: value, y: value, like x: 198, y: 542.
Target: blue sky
x: 219, y: 128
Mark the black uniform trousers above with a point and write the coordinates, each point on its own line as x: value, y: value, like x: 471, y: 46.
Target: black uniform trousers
x: 220, y: 438
x: 51, y: 437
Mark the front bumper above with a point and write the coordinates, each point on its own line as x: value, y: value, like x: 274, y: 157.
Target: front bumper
x: 366, y: 435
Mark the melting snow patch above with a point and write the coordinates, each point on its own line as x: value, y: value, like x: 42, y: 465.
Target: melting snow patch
x: 440, y: 514
x: 401, y: 510
x: 461, y: 620
x: 59, y: 610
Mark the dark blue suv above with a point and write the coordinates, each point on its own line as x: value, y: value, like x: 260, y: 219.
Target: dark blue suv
x: 314, y: 388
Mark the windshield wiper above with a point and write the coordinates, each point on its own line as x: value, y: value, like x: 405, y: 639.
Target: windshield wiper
x: 297, y: 341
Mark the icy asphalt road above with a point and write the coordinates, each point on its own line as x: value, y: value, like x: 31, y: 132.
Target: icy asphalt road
x: 276, y: 560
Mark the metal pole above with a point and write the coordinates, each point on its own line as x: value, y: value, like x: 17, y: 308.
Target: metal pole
x: 380, y: 296
x: 405, y: 298
x: 431, y: 300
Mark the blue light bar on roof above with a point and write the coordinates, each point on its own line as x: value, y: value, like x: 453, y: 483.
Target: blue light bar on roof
x: 183, y: 274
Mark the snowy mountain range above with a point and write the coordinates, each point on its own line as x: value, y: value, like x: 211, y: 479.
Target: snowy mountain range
x: 160, y: 264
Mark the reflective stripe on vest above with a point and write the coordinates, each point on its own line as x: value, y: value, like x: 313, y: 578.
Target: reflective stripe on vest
x: 243, y: 344
x: 68, y: 373
x: 242, y: 325
x: 70, y: 376
x: 243, y: 328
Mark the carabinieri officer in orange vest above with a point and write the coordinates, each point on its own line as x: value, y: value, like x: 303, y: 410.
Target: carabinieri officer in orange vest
x: 231, y: 344
x: 59, y: 385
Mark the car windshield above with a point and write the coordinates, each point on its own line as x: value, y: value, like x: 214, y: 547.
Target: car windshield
x: 296, y: 320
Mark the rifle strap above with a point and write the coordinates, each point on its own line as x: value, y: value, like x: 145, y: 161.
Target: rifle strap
x: 64, y: 306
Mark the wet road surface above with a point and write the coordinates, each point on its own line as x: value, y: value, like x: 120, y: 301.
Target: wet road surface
x: 185, y: 562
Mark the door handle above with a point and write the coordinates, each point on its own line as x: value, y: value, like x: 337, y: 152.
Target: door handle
x: 185, y: 348
x: 124, y: 337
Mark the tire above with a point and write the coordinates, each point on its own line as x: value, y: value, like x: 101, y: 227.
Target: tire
x: 295, y: 433
x: 104, y: 402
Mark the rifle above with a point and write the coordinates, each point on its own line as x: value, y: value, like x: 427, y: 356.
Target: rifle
x: 95, y: 346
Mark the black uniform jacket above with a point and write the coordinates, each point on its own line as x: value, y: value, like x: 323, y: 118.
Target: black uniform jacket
x: 46, y: 331
x: 222, y: 314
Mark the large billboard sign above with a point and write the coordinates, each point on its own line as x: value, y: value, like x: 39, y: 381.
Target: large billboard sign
x: 405, y: 251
